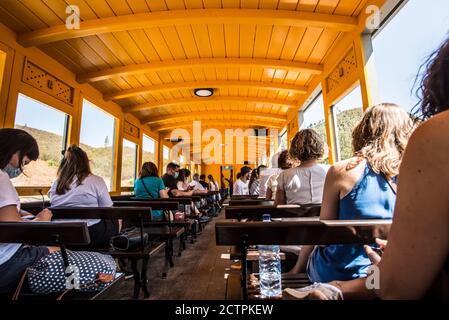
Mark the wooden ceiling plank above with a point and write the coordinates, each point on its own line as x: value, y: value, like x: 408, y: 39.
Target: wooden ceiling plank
x: 167, y: 103
x: 283, y: 18
x: 176, y: 64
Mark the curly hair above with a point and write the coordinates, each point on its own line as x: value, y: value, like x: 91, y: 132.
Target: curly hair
x: 433, y: 91
x: 307, y: 145
x: 381, y: 137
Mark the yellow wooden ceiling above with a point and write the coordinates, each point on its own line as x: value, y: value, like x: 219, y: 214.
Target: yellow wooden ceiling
x: 149, y: 55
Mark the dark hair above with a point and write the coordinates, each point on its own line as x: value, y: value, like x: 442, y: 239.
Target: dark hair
x: 16, y: 140
x: 149, y: 169
x: 307, y: 145
x: 433, y: 91
x: 183, y: 174
x: 203, y: 177
x: 284, y: 161
x: 244, y: 170
x: 239, y: 174
x: 172, y: 166
x: 210, y: 177
x: 255, y: 174
x: 196, y: 175
x: 74, y: 164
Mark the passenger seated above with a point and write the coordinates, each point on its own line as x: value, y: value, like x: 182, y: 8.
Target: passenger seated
x: 362, y: 187
x: 202, y: 181
x: 241, y: 186
x: 76, y: 186
x: 149, y: 185
x: 17, y: 149
x: 254, y: 182
x: 303, y: 184
x: 415, y: 262
x: 171, y: 182
x: 283, y: 163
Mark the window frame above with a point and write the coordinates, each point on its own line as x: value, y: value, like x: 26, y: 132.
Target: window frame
x: 116, y: 133
x: 41, y: 191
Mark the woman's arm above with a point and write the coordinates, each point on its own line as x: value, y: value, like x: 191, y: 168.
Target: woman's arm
x: 269, y: 194
x: 331, y: 195
x: 419, y: 238
x: 163, y: 193
x: 280, y: 197
x: 303, y: 257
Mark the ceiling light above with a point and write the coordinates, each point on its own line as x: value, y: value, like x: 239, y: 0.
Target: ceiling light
x: 204, y: 92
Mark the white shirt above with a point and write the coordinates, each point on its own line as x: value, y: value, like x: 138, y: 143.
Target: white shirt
x: 303, y: 185
x: 92, y: 192
x: 241, y: 188
x: 196, y: 185
x: 265, y: 176
x: 272, y: 184
x: 8, y: 197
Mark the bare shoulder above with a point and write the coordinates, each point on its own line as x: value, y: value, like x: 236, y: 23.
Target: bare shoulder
x: 347, y: 167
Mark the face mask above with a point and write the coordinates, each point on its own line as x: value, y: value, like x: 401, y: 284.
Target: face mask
x: 12, y: 172
x: 176, y: 175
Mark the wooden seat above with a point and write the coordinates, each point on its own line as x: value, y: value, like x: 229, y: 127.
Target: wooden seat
x: 257, y: 211
x: 251, y: 202
x: 53, y: 234
x: 304, y: 231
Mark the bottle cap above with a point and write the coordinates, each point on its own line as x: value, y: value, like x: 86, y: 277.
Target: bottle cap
x: 266, y: 218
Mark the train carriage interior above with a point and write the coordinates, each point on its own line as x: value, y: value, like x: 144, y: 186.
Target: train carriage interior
x: 246, y: 150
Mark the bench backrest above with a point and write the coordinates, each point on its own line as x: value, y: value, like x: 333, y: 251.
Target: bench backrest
x: 112, y: 213
x: 241, y: 197
x: 153, y: 204
x: 307, y: 231
x: 250, y: 202
x: 256, y: 212
x: 44, y: 233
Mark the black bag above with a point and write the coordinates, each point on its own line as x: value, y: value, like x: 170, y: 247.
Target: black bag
x: 128, y: 239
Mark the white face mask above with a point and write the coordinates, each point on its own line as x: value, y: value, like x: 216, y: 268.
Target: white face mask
x: 12, y: 172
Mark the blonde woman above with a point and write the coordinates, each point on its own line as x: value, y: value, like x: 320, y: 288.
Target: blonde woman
x: 362, y: 187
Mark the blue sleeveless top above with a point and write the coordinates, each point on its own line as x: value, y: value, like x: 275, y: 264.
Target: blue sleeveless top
x: 371, y: 198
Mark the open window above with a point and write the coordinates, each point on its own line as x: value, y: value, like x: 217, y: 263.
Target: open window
x: 49, y: 127
x: 346, y: 113
x: 98, y: 140
x: 149, y: 149
x: 129, y: 163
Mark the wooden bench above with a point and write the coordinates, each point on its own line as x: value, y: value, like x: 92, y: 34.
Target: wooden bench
x: 167, y: 229
x: 54, y: 234
x: 243, y: 197
x: 191, y: 219
x: 299, y: 232
x: 279, y: 212
x: 250, y: 202
x: 136, y: 215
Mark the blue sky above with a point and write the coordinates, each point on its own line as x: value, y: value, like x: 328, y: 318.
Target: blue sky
x: 399, y: 50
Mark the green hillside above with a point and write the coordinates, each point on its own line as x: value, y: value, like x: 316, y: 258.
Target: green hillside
x: 346, y: 121
x: 101, y: 159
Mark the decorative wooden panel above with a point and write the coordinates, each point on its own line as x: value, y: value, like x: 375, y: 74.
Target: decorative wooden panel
x: 344, y: 69
x: 42, y: 80
x: 132, y: 130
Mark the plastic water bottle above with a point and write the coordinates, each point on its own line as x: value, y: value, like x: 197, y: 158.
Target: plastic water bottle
x: 270, y: 269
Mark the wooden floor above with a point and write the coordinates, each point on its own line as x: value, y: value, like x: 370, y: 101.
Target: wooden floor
x: 197, y: 275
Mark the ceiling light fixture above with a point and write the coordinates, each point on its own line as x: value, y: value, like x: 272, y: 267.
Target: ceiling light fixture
x: 204, y: 92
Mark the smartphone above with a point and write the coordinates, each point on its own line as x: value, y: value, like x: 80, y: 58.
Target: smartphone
x: 378, y: 250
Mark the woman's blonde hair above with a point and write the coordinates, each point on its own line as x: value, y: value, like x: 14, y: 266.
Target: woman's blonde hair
x: 381, y: 137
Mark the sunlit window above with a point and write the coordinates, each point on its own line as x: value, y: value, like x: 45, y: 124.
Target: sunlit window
x: 346, y: 114
x: 404, y: 44
x: 283, y: 143
x: 129, y: 163
x: 165, y: 156
x: 149, y: 149
x: 49, y: 127
x: 98, y: 140
x: 313, y: 118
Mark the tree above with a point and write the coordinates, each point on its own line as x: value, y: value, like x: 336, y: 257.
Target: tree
x: 106, y: 142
